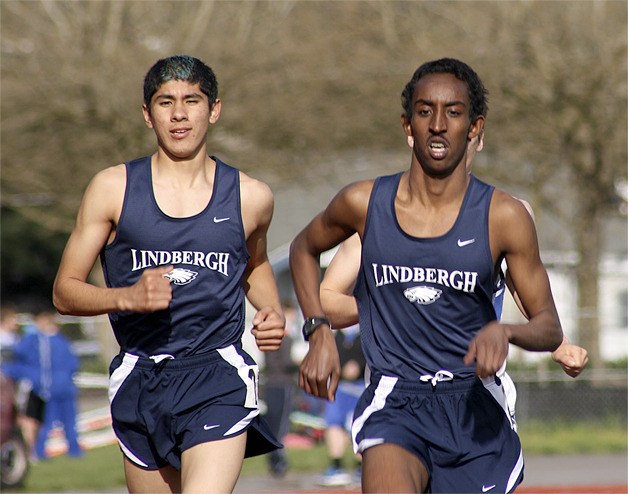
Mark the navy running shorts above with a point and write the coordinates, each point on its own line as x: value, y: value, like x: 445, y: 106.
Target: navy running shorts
x: 459, y: 428
x: 162, y: 406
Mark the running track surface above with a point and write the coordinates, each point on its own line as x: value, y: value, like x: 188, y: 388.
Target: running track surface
x: 295, y: 483
x: 606, y: 489
x: 579, y: 474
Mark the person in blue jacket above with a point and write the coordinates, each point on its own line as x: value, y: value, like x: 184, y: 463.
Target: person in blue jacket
x: 45, y: 359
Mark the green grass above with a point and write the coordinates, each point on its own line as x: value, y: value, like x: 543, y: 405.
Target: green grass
x: 301, y: 460
x: 100, y: 470
x: 574, y: 438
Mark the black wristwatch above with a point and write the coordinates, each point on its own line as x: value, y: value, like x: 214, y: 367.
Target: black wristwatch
x: 310, y: 325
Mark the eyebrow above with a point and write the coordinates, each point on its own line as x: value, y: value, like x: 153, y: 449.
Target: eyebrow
x: 169, y: 96
x: 429, y: 102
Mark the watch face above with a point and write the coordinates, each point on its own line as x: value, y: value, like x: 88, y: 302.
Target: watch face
x: 307, y: 327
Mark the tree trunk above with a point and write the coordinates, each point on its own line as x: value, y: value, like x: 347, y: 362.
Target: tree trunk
x: 588, y: 242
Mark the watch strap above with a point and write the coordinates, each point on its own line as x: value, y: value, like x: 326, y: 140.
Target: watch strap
x: 311, y: 324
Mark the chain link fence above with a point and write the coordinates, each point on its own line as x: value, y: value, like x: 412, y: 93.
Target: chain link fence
x: 597, y: 396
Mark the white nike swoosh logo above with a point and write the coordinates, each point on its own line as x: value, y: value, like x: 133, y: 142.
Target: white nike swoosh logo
x: 462, y: 243
x: 208, y: 427
x: 486, y: 488
x: 219, y: 220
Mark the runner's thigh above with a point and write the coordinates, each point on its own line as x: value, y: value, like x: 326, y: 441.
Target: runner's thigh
x: 213, y: 466
x: 389, y: 468
x: 140, y: 480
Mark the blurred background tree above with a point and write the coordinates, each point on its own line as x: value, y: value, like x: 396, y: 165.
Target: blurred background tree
x: 305, y: 83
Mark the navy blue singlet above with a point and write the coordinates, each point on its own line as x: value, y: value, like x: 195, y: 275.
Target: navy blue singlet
x: 209, y: 255
x: 422, y: 300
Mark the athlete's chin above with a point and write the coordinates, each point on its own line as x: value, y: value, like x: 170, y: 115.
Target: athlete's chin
x: 182, y: 153
x: 439, y: 172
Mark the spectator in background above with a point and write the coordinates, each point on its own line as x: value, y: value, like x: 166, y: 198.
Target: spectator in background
x: 339, y: 413
x: 61, y: 403
x: 280, y: 373
x: 44, y: 359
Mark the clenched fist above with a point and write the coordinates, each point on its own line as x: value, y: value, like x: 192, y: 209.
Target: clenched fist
x: 152, y: 292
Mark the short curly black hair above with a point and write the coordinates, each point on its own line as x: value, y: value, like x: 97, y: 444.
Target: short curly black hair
x: 478, y: 94
x: 180, y: 68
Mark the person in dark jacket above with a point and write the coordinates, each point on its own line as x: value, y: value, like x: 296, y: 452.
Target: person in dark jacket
x: 280, y: 380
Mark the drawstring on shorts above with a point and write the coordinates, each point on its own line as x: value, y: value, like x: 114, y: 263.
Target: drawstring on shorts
x: 440, y: 376
x: 160, y: 360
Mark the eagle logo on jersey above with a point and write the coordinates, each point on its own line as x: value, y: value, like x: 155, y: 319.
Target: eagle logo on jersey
x: 422, y: 295
x: 180, y: 276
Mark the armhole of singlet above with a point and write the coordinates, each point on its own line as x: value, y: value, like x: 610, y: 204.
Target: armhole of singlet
x: 367, y: 225
x: 369, y: 209
x: 238, y: 191
x: 123, y: 210
x: 487, y: 223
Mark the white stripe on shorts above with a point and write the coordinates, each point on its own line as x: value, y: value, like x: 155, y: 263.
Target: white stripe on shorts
x: 499, y: 394
x: 384, y: 388
x: 118, y: 377
x: 242, y: 423
x: 248, y: 373
x: 120, y: 374
x: 516, y: 471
